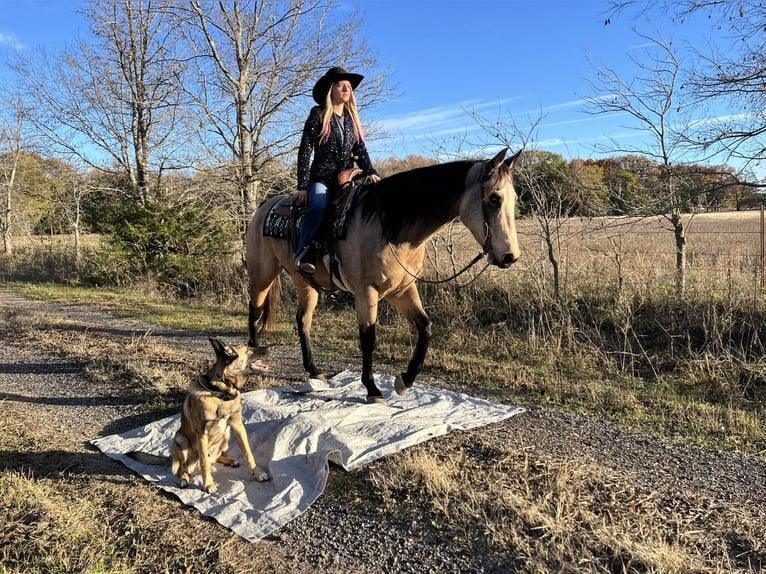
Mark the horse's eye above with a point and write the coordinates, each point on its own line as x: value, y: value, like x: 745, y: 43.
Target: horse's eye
x: 495, y: 200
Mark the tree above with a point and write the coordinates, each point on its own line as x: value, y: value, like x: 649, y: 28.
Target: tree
x: 632, y: 181
x: 67, y: 190
x: 114, y: 103
x: 650, y: 101
x: 729, y: 74
x: 544, y: 188
x: 13, y: 120
x: 391, y: 165
x: 590, y: 195
x: 253, y: 60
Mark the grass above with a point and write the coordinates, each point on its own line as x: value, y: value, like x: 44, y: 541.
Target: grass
x: 58, y: 536
x: 532, y: 513
x: 688, y: 370
x: 586, y: 353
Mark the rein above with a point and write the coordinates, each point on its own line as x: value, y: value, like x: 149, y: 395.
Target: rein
x: 440, y: 281
x: 473, y: 262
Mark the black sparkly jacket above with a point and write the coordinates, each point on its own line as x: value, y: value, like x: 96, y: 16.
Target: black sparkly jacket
x: 332, y: 156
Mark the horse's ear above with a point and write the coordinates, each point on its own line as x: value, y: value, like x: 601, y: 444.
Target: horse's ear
x: 217, y: 344
x: 498, y: 159
x: 512, y: 160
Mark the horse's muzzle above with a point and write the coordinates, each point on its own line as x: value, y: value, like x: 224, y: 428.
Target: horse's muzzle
x: 506, y: 260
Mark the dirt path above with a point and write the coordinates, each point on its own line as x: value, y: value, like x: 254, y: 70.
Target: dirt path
x: 714, y: 502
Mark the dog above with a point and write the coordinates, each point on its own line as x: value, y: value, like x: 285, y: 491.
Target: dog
x: 212, y: 410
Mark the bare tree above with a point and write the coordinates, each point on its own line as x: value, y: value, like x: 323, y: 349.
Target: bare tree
x: 254, y: 59
x: 13, y: 118
x: 68, y: 197
x: 113, y: 102
x: 651, y: 101
x: 729, y: 74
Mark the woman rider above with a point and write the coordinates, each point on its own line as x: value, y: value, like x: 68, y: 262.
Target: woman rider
x: 333, y: 134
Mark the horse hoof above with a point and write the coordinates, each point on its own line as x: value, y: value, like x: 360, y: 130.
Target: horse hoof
x: 260, y: 475
x: 375, y: 400
x: 399, y: 385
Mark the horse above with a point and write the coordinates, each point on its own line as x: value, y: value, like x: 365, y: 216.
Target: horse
x: 383, y: 250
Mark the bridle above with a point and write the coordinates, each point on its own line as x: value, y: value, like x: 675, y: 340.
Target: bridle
x: 485, y: 247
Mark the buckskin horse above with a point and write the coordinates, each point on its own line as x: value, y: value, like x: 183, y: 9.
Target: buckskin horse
x: 382, y: 251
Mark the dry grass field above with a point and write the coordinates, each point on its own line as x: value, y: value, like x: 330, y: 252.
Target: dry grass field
x: 721, y: 247
x: 643, y: 450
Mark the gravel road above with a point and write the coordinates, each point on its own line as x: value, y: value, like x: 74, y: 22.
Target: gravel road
x: 51, y: 395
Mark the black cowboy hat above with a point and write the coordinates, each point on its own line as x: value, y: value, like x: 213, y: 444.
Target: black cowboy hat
x: 334, y: 74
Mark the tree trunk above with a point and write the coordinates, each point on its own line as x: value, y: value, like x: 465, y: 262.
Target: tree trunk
x: 680, y: 234
x: 8, y: 211
x: 554, y: 263
x: 6, y: 223
x: 76, y: 232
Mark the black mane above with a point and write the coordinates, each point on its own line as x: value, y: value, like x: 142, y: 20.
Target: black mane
x: 426, y: 197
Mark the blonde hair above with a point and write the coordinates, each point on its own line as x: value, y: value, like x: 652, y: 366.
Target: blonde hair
x: 327, y: 117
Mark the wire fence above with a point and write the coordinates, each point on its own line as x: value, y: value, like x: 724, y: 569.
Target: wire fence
x: 722, y: 250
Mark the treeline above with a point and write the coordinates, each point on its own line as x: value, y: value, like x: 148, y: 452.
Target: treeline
x: 166, y: 126
x: 629, y: 185
x: 52, y: 197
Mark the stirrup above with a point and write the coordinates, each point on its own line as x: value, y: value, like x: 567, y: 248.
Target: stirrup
x: 304, y: 266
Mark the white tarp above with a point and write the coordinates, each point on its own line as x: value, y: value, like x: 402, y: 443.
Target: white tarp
x: 296, y: 432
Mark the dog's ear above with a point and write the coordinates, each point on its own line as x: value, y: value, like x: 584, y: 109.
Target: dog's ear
x: 222, y: 350
x: 217, y: 345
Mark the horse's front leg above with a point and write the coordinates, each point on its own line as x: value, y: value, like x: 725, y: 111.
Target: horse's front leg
x: 307, y: 302
x: 367, y: 314
x: 408, y: 303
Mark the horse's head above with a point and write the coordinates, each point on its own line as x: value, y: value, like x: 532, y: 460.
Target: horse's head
x: 488, y: 208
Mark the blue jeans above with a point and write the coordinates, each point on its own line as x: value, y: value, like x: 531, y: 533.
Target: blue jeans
x: 316, y: 204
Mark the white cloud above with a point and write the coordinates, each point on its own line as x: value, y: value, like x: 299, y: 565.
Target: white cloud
x: 11, y: 41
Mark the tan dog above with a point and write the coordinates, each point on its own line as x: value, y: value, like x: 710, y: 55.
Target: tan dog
x: 212, y: 409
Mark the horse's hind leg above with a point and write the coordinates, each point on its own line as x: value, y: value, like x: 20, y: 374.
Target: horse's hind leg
x: 263, y: 284
x: 258, y: 310
x: 307, y: 302
x: 409, y: 305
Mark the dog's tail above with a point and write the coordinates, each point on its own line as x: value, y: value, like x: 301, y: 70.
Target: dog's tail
x: 146, y: 458
x: 272, y: 302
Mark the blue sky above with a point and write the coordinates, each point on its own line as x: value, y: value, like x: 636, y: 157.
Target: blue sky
x: 516, y: 60
x: 500, y: 59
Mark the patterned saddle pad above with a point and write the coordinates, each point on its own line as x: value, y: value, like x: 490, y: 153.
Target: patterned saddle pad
x: 285, y: 216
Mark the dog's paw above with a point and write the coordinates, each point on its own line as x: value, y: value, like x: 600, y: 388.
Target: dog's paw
x: 260, y: 475
x: 183, y: 482
x: 210, y: 488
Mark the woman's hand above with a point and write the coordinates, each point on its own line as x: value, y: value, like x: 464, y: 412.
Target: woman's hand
x: 302, y: 197
x: 375, y: 178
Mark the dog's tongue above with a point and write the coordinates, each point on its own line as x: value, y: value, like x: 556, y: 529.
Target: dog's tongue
x: 259, y: 366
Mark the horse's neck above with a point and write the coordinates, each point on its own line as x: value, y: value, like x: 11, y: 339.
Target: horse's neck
x: 415, y: 205
x: 422, y: 230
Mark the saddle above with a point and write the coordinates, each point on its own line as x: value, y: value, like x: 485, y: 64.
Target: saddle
x: 286, y: 215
